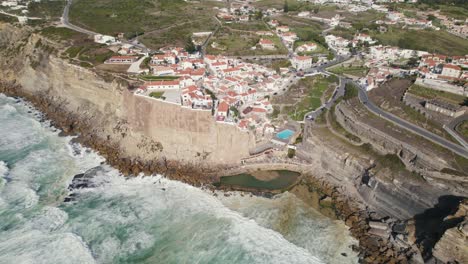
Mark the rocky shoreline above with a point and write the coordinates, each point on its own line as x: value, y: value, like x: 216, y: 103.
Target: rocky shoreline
x: 331, y: 202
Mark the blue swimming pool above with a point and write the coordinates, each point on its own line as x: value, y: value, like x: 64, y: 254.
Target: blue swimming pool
x: 285, y: 134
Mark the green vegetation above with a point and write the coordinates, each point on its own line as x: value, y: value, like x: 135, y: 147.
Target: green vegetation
x: 158, y: 95
x: 234, y: 111
x: 364, y: 20
x: 315, y: 87
x: 158, y: 78
x: 240, y: 44
x: 161, y: 22
x: 343, y: 32
x: 248, y: 26
x: 291, y: 153
x: 60, y: 33
x: 46, y: 8
x: 351, y: 91
x: 85, y: 64
x: 276, y: 65
x: 426, y: 40
x: 73, y: 51
x: 350, y: 70
x: 8, y: 19
x: 433, y: 94
x: 462, y: 128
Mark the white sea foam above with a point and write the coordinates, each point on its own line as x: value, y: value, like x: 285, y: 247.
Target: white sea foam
x: 148, y: 202
x: 123, y: 220
x: 3, y: 169
x: 34, y: 246
x: 49, y: 219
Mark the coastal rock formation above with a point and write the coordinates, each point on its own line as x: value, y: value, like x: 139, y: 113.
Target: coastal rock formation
x: 453, y: 246
x: 140, y: 128
x: 143, y: 135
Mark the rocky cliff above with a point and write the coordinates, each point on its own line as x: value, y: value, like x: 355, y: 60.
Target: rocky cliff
x: 453, y: 246
x: 138, y: 134
x: 143, y: 129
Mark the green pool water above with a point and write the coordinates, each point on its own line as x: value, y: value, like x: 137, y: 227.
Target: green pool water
x: 285, y: 179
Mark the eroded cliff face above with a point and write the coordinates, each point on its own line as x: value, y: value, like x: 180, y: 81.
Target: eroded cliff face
x: 141, y: 128
x: 453, y: 246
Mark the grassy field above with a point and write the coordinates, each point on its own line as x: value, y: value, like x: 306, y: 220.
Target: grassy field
x: 88, y: 53
x: 50, y: 9
x: 256, y: 25
x: 363, y: 19
x: 158, y: 95
x: 462, y: 128
x: 60, y: 33
x: 236, y: 43
x: 426, y: 40
x: 314, y: 87
x: 343, y: 32
x: 433, y: 94
x: 353, y: 70
x: 177, y: 17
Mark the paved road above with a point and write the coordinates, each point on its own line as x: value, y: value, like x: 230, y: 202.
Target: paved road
x: 65, y: 21
x: 409, y: 126
x: 378, y: 111
x: 135, y: 67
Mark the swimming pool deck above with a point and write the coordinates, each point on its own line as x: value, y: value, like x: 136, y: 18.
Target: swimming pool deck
x: 286, y: 140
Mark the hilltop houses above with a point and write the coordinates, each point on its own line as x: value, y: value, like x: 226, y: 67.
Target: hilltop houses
x: 223, y: 85
x: 121, y: 60
x: 301, y: 62
x: 307, y: 47
x: 267, y: 44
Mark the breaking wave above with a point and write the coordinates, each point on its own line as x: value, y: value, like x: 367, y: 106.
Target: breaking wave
x: 141, y: 219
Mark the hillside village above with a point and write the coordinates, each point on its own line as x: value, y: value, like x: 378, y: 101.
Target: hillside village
x: 239, y: 92
x: 327, y: 83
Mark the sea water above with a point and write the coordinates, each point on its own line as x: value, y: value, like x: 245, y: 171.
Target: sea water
x: 139, y: 219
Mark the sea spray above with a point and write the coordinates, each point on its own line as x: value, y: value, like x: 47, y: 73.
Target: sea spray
x: 134, y: 220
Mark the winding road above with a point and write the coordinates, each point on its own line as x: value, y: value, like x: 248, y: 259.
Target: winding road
x: 409, y: 126
x: 66, y: 22
x: 364, y: 99
x: 337, y: 93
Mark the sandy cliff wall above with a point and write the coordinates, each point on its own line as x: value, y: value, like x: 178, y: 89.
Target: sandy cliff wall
x: 140, y: 127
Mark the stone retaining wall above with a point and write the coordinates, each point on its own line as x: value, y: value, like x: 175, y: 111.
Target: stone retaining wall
x: 383, y: 142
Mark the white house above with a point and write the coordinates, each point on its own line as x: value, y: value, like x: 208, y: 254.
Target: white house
x: 104, y: 39
x: 162, y: 70
x: 164, y: 85
x: 307, y: 47
x: 121, y: 60
x: 301, y: 62
x: 266, y: 44
x: 451, y: 70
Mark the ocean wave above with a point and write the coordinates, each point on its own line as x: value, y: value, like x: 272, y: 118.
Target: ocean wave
x: 174, y: 211
x: 3, y: 169
x: 35, y: 246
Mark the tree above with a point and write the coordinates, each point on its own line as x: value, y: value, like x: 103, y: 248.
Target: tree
x: 258, y: 15
x: 190, y: 46
x: 286, y: 6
